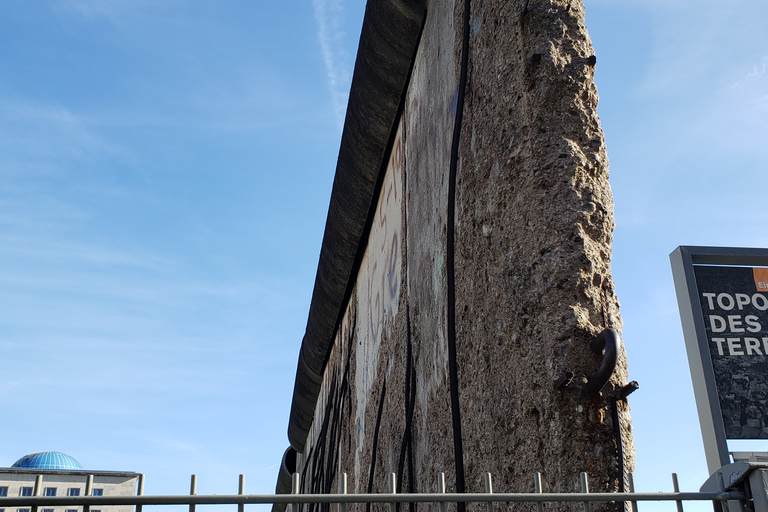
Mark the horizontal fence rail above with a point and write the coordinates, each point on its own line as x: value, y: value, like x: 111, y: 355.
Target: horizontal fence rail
x: 342, y: 498
x: 245, y: 499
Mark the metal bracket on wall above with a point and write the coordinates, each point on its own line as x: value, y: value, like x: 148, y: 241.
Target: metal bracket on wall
x: 607, y: 344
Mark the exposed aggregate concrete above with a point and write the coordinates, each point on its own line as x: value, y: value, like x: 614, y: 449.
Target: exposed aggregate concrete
x: 533, y: 231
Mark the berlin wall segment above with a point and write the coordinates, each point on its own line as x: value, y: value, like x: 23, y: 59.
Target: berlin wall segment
x: 533, y: 228
x: 533, y: 242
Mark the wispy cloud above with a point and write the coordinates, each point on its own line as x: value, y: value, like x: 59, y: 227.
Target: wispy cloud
x: 759, y: 69
x: 753, y: 85
x: 330, y: 15
x: 116, y: 12
x: 47, y: 131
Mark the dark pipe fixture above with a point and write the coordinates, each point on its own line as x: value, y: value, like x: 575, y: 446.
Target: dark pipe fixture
x: 285, y: 477
x: 287, y: 469
x: 606, y: 343
x: 627, y: 389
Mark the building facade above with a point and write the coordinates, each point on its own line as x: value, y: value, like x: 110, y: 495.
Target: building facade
x: 58, y: 474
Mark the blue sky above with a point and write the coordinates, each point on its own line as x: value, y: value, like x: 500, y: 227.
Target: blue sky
x: 165, y: 170
x: 684, y: 105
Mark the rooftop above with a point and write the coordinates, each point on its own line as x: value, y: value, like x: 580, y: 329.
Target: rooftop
x: 47, y: 460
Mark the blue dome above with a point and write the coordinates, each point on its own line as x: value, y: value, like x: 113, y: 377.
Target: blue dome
x: 47, y: 460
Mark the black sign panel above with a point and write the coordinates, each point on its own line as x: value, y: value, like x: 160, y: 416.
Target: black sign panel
x: 734, y: 304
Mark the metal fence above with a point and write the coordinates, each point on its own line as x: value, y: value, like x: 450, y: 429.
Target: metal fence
x: 393, y: 498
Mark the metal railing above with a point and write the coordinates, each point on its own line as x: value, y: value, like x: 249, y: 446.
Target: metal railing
x: 342, y: 498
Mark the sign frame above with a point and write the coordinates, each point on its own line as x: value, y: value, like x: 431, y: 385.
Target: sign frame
x: 682, y: 260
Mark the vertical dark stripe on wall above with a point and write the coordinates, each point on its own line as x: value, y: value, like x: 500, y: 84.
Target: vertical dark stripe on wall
x: 375, y: 446
x: 406, y: 450
x: 458, y: 448
x: 337, y: 423
x: 303, y: 479
x: 320, y: 456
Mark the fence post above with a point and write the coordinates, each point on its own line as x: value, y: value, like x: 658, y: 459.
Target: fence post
x: 585, y: 489
x: 192, y: 491
x: 240, y: 492
x: 632, y: 504
x: 295, y: 487
x: 343, y: 490
x: 37, y: 491
x: 140, y: 491
x: 537, y: 489
x: 88, y: 491
x: 676, y: 487
x: 441, y: 489
x: 393, y: 490
x: 489, y: 490
x: 722, y: 505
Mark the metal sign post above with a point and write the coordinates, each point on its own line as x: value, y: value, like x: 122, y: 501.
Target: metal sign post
x: 722, y: 294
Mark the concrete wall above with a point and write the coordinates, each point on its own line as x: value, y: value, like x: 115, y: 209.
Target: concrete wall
x: 533, y: 232
x: 526, y: 277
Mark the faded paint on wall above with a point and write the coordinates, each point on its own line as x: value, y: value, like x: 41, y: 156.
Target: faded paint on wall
x: 430, y: 110
x: 351, y: 384
x: 378, y: 286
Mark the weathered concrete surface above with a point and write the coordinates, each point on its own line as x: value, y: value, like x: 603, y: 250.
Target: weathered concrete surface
x: 533, y: 222
x: 533, y: 232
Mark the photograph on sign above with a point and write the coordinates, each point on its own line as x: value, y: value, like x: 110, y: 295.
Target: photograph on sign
x: 734, y: 304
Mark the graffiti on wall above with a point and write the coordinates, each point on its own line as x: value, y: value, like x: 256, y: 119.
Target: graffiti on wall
x: 331, y: 417
x: 430, y: 116
x: 378, y: 285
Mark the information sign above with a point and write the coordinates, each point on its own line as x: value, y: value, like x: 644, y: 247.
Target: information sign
x: 722, y: 294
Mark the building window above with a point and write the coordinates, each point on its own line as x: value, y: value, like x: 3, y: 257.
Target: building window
x: 98, y: 492
x: 73, y: 491
x: 3, y: 491
x: 26, y: 491
x: 50, y: 491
